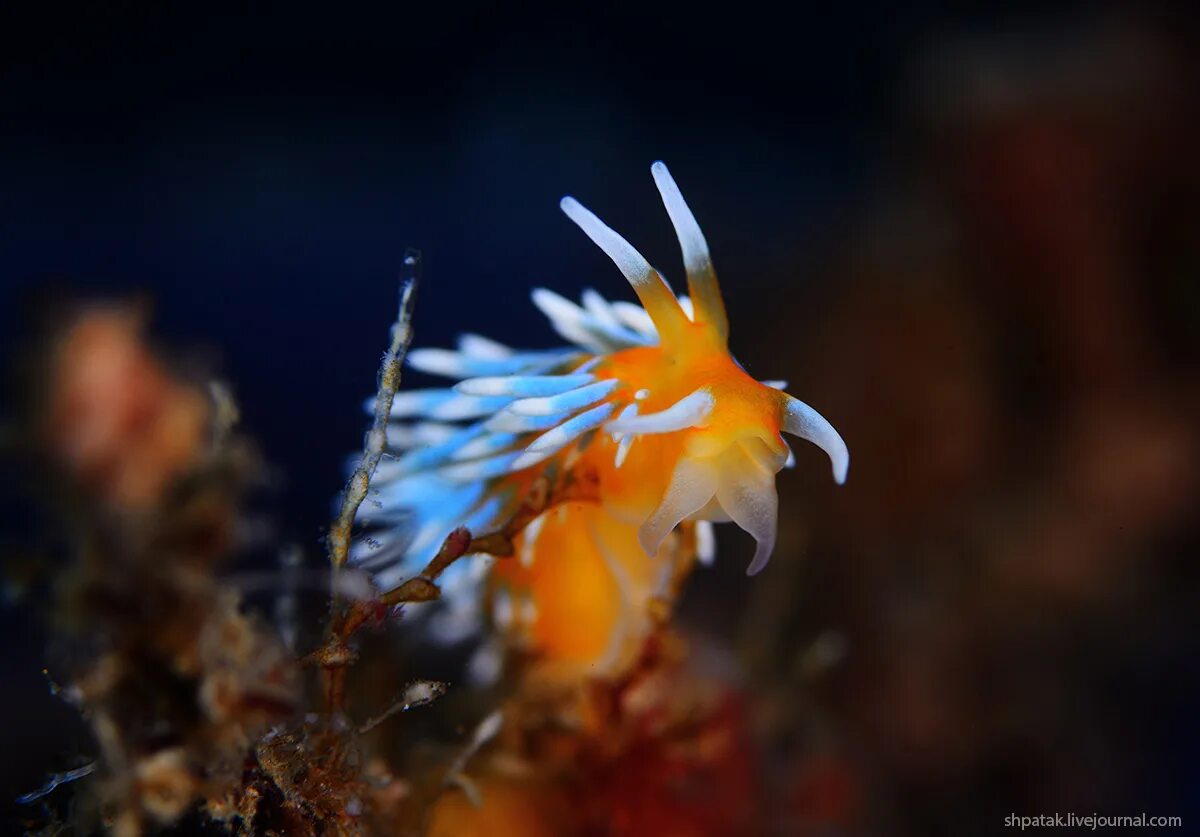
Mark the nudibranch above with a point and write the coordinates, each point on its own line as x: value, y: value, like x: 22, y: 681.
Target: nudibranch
x: 647, y: 400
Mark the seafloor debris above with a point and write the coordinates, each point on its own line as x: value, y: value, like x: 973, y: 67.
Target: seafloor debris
x: 175, y: 680
x: 663, y: 750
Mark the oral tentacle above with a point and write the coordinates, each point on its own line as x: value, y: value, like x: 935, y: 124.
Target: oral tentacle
x: 693, y: 484
x: 747, y: 494
x: 801, y: 420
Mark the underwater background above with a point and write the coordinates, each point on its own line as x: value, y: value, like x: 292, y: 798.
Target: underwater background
x: 971, y: 239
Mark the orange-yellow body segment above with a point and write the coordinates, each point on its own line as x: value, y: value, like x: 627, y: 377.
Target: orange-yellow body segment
x: 579, y: 585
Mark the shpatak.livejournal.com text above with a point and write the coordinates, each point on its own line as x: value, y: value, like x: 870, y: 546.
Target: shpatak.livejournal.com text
x: 1091, y: 821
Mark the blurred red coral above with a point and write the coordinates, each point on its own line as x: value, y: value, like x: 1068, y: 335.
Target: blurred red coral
x: 115, y: 417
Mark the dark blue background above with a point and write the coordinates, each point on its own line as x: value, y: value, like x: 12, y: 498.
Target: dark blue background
x: 260, y: 172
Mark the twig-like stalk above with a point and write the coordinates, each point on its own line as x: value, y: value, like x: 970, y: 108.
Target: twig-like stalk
x: 336, y: 654
x: 376, y: 441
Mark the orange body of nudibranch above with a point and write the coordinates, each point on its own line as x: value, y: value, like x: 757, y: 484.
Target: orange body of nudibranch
x: 652, y: 407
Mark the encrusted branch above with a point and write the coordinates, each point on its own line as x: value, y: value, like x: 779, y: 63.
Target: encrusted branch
x: 336, y: 653
x: 376, y: 441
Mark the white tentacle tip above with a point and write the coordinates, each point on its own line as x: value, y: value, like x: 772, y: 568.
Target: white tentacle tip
x: 841, y: 466
x: 622, y: 451
x: 706, y: 542
x: 583, y: 217
x: 839, y: 456
x: 801, y: 420
x: 762, y: 556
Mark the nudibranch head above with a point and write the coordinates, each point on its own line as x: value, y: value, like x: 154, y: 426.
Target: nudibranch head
x: 686, y: 397
x: 648, y: 400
